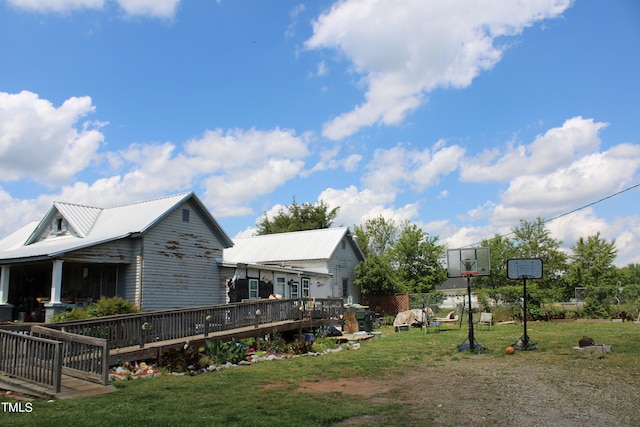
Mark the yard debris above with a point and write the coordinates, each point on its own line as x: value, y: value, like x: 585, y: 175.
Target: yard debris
x: 596, y: 348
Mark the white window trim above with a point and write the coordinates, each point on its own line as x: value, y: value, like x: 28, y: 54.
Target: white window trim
x: 255, y: 282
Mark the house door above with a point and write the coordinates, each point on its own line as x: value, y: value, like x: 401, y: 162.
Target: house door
x: 280, y: 287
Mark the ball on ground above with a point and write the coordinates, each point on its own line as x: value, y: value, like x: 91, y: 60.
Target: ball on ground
x: 510, y: 350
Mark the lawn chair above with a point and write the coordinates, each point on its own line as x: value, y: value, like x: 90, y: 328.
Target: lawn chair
x: 485, y: 319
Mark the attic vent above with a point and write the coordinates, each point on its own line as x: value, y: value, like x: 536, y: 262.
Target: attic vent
x: 185, y: 215
x: 59, y: 225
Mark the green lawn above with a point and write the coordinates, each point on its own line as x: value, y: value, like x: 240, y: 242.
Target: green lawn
x: 239, y: 397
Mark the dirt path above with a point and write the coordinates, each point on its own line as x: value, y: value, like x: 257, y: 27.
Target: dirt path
x: 479, y: 391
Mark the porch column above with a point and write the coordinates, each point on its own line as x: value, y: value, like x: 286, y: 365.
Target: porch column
x: 56, y: 282
x: 4, y: 284
x: 54, y: 306
x: 6, y: 309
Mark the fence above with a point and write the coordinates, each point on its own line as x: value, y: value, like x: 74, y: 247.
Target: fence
x: 143, y: 328
x: 82, y: 357
x: 31, y: 358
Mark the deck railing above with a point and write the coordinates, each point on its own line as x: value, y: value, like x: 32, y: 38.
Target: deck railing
x: 82, y: 357
x: 31, y: 358
x: 138, y: 329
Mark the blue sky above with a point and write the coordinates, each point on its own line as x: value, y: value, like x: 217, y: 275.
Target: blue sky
x: 463, y: 117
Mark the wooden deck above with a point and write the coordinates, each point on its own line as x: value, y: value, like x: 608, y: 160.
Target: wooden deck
x: 153, y: 350
x: 72, y: 359
x: 70, y: 387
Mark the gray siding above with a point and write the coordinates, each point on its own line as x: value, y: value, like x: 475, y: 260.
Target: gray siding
x: 122, y: 252
x: 118, y: 252
x: 179, y: 266
x: 342, y: 264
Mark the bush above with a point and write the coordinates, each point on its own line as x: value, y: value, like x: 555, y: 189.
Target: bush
x: 111, y: 306
x: 66, y: 316
x: 102, y: 307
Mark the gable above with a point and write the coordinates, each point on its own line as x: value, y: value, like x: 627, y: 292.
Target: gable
x: 67, y: 227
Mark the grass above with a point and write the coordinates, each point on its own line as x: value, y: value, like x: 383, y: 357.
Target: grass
x: 239, y: 396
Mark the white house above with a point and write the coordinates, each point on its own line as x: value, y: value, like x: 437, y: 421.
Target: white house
x: 314, y: 263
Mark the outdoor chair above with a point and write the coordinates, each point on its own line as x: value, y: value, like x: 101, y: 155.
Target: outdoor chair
x: 485, y: 319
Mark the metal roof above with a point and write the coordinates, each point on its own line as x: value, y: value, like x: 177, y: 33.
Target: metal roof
x: 95, y: 225
x: 286, y: 247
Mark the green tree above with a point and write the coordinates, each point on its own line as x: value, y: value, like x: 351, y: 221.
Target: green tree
x: 298, y: 217
x: 501, y: 249
x: 629, y: 283
x: 417, y: 258
x: 592, y: 267
x: 376, y: 235
x: 533, y: 240
x: 375, y: 276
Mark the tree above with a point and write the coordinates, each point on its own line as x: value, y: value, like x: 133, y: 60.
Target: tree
x: 629, y: 281
x: 376, y: 235
x: 533, y: 240
x: 501, y: 249
x: 417, y: 257
x: 592, y: 267
x: 375, y: 276
x: 298, y: 217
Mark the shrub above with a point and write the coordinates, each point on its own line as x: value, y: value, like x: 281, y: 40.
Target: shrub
x: 66, y: 316
x: 110, y: 306
x: 102, y: 307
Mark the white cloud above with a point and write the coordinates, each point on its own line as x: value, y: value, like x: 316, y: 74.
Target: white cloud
x: 404, y: 52
x: 586, y: 180
x: 558, y: 147
x: 357, y: 206
x: 419, y: 168
x: 59, y: 6
x: 46, y: 144
x: 627, y: 230
x: 154, y: 8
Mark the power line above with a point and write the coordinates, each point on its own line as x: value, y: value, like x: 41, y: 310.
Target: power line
x: 572, y: 211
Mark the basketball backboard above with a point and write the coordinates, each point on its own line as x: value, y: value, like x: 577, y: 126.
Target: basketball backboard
x: 524, y: 268
x: 468, y: 262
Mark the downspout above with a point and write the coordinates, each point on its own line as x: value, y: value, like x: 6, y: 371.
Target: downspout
x: 139, y: 273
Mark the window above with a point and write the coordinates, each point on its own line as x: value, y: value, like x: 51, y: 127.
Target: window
x: 294, y: 289
x: 253, y: 289
x: 345, y: 288
x: 185, y: 215
x: 305, y: 287
x: 344, y: 244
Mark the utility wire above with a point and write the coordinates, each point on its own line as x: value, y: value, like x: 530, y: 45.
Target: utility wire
x: 571, y: 211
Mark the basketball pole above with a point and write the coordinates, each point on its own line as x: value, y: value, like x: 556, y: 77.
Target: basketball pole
x: 524, y: 343
x: 472, y: 340
x: 473, y: 346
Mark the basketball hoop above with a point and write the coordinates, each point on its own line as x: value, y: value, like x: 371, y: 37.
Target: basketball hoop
x: 467, y: 263
x: 469, y: 273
